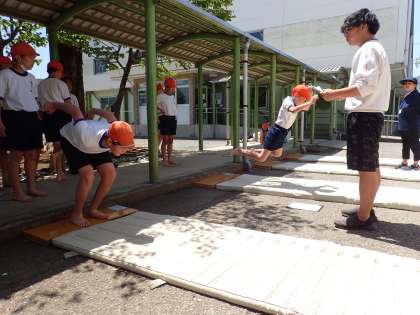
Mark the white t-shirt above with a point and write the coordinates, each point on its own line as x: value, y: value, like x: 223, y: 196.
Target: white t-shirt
x: 53, y: 90
x: 18, y: 91
x: 74, y: 100
x: 167, y: 104
x: 86, y: 135
x: 286, y: 118
x: 371, y: 73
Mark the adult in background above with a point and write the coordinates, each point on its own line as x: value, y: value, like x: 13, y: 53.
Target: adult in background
x: 409, y: 123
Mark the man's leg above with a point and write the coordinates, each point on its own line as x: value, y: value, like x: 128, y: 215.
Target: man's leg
x: 108, y: 175
x: 405, y: 148
x: 415, y: 147
x: 368, y: 187
x: 30, y: 162
x: 86, y: 178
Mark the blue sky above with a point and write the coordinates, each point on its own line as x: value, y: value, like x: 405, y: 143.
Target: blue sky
x: 41, y: 70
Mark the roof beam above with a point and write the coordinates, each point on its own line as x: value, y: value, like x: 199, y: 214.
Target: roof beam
x: 65, y: 15
x: 229, y: 53
x: 192, y: 37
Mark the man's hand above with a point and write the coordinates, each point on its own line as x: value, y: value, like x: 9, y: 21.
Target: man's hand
x: 327, y: 95
x: 49, y: 107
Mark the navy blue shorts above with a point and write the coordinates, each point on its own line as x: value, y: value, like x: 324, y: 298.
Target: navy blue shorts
x: 275, y: 138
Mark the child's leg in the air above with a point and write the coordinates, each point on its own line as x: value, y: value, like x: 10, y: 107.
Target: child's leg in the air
x: 259, y: 155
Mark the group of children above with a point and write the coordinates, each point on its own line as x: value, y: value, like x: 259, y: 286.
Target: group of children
x: 28, y: 110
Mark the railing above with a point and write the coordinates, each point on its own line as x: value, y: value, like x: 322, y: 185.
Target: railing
x: 390, y: 125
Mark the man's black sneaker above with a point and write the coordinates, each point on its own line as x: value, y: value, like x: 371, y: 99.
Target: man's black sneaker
x: 351, y: 212
x: 414, y: 167
x: 353, y: 223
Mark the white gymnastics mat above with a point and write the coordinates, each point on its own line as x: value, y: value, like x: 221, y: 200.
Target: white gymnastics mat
x: 268, y: 272
x: 322, y: 190
x: 341, y: 169
x: 340, y: 159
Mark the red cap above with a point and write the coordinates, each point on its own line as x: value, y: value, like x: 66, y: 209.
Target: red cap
x: 23, y: 49
x: 121, y: 133
x: 159, y: 87
x: 303, y: 91
x: 55, y: 65
x: 170, y: 83
x: 5, y: 60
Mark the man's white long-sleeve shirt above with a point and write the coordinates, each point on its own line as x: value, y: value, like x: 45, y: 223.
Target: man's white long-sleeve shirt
x: 371, y: 74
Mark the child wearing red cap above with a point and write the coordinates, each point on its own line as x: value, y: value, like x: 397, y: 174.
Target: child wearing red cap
x: 166, y: 104
x: 20, y: 119
x: 53, y: 89
x: 159, y: 91
x: 86, y: 145
x: 301, y: 100
x: 5, y: 63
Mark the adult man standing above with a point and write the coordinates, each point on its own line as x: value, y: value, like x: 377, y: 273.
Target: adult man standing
x: 367, y: 98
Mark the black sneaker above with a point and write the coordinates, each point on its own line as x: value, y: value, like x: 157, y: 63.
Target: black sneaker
x: 414, y: 167
x: 351, y: 212
x: 353, y: 223
x: 401, y: 165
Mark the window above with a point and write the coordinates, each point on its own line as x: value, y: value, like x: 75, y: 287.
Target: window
x: 142, y: 96
x: 258, y: 34
x: 99, y: 66
x: 106, y: 102
x: 182, y: 92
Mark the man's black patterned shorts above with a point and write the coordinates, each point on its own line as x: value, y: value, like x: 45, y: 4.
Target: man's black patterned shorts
x: 363, y: 135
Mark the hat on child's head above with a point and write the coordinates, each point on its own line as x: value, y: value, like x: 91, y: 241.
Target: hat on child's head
x: 170, y: 83
x: 303, y: 91
x: 23, y: 49
x: 5, y: 60
x: 55, y: 65
x: 121, y: 133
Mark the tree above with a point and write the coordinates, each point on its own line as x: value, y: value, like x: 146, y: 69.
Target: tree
x: 220, y: 8
x: 13, y: 30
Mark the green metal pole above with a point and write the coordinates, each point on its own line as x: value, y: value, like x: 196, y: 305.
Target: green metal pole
x: 296, y: 124
x: 53, y: 43
x: 151, y: 89
x: 200, y: 106
x: 213, y: 107
x: 256, y: 107
x: 332, y: 112
x: 236, y: 89
x: 313, y: 116
x: 272, y: 103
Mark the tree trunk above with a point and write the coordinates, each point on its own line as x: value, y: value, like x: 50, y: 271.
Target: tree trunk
x: 116, y: 107
x: 72, y: 60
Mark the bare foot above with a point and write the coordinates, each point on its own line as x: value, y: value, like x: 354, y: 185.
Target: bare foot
x: 166, y: 163
x: 172, y: 162
x: 237, y: 151
x: 79, y: 220
x: 37, y: 193
x: 98, y: 214
x: 21, y: 197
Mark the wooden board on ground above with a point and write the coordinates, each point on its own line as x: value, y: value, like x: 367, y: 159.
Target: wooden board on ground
x: 45, y: 233
x: 293, y: 156
x: 212, y: 180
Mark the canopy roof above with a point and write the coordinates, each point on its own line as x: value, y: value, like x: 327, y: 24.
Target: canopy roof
x: 183, y: 31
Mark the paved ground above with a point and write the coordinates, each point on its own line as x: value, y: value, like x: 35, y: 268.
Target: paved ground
x: 38, y: 280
